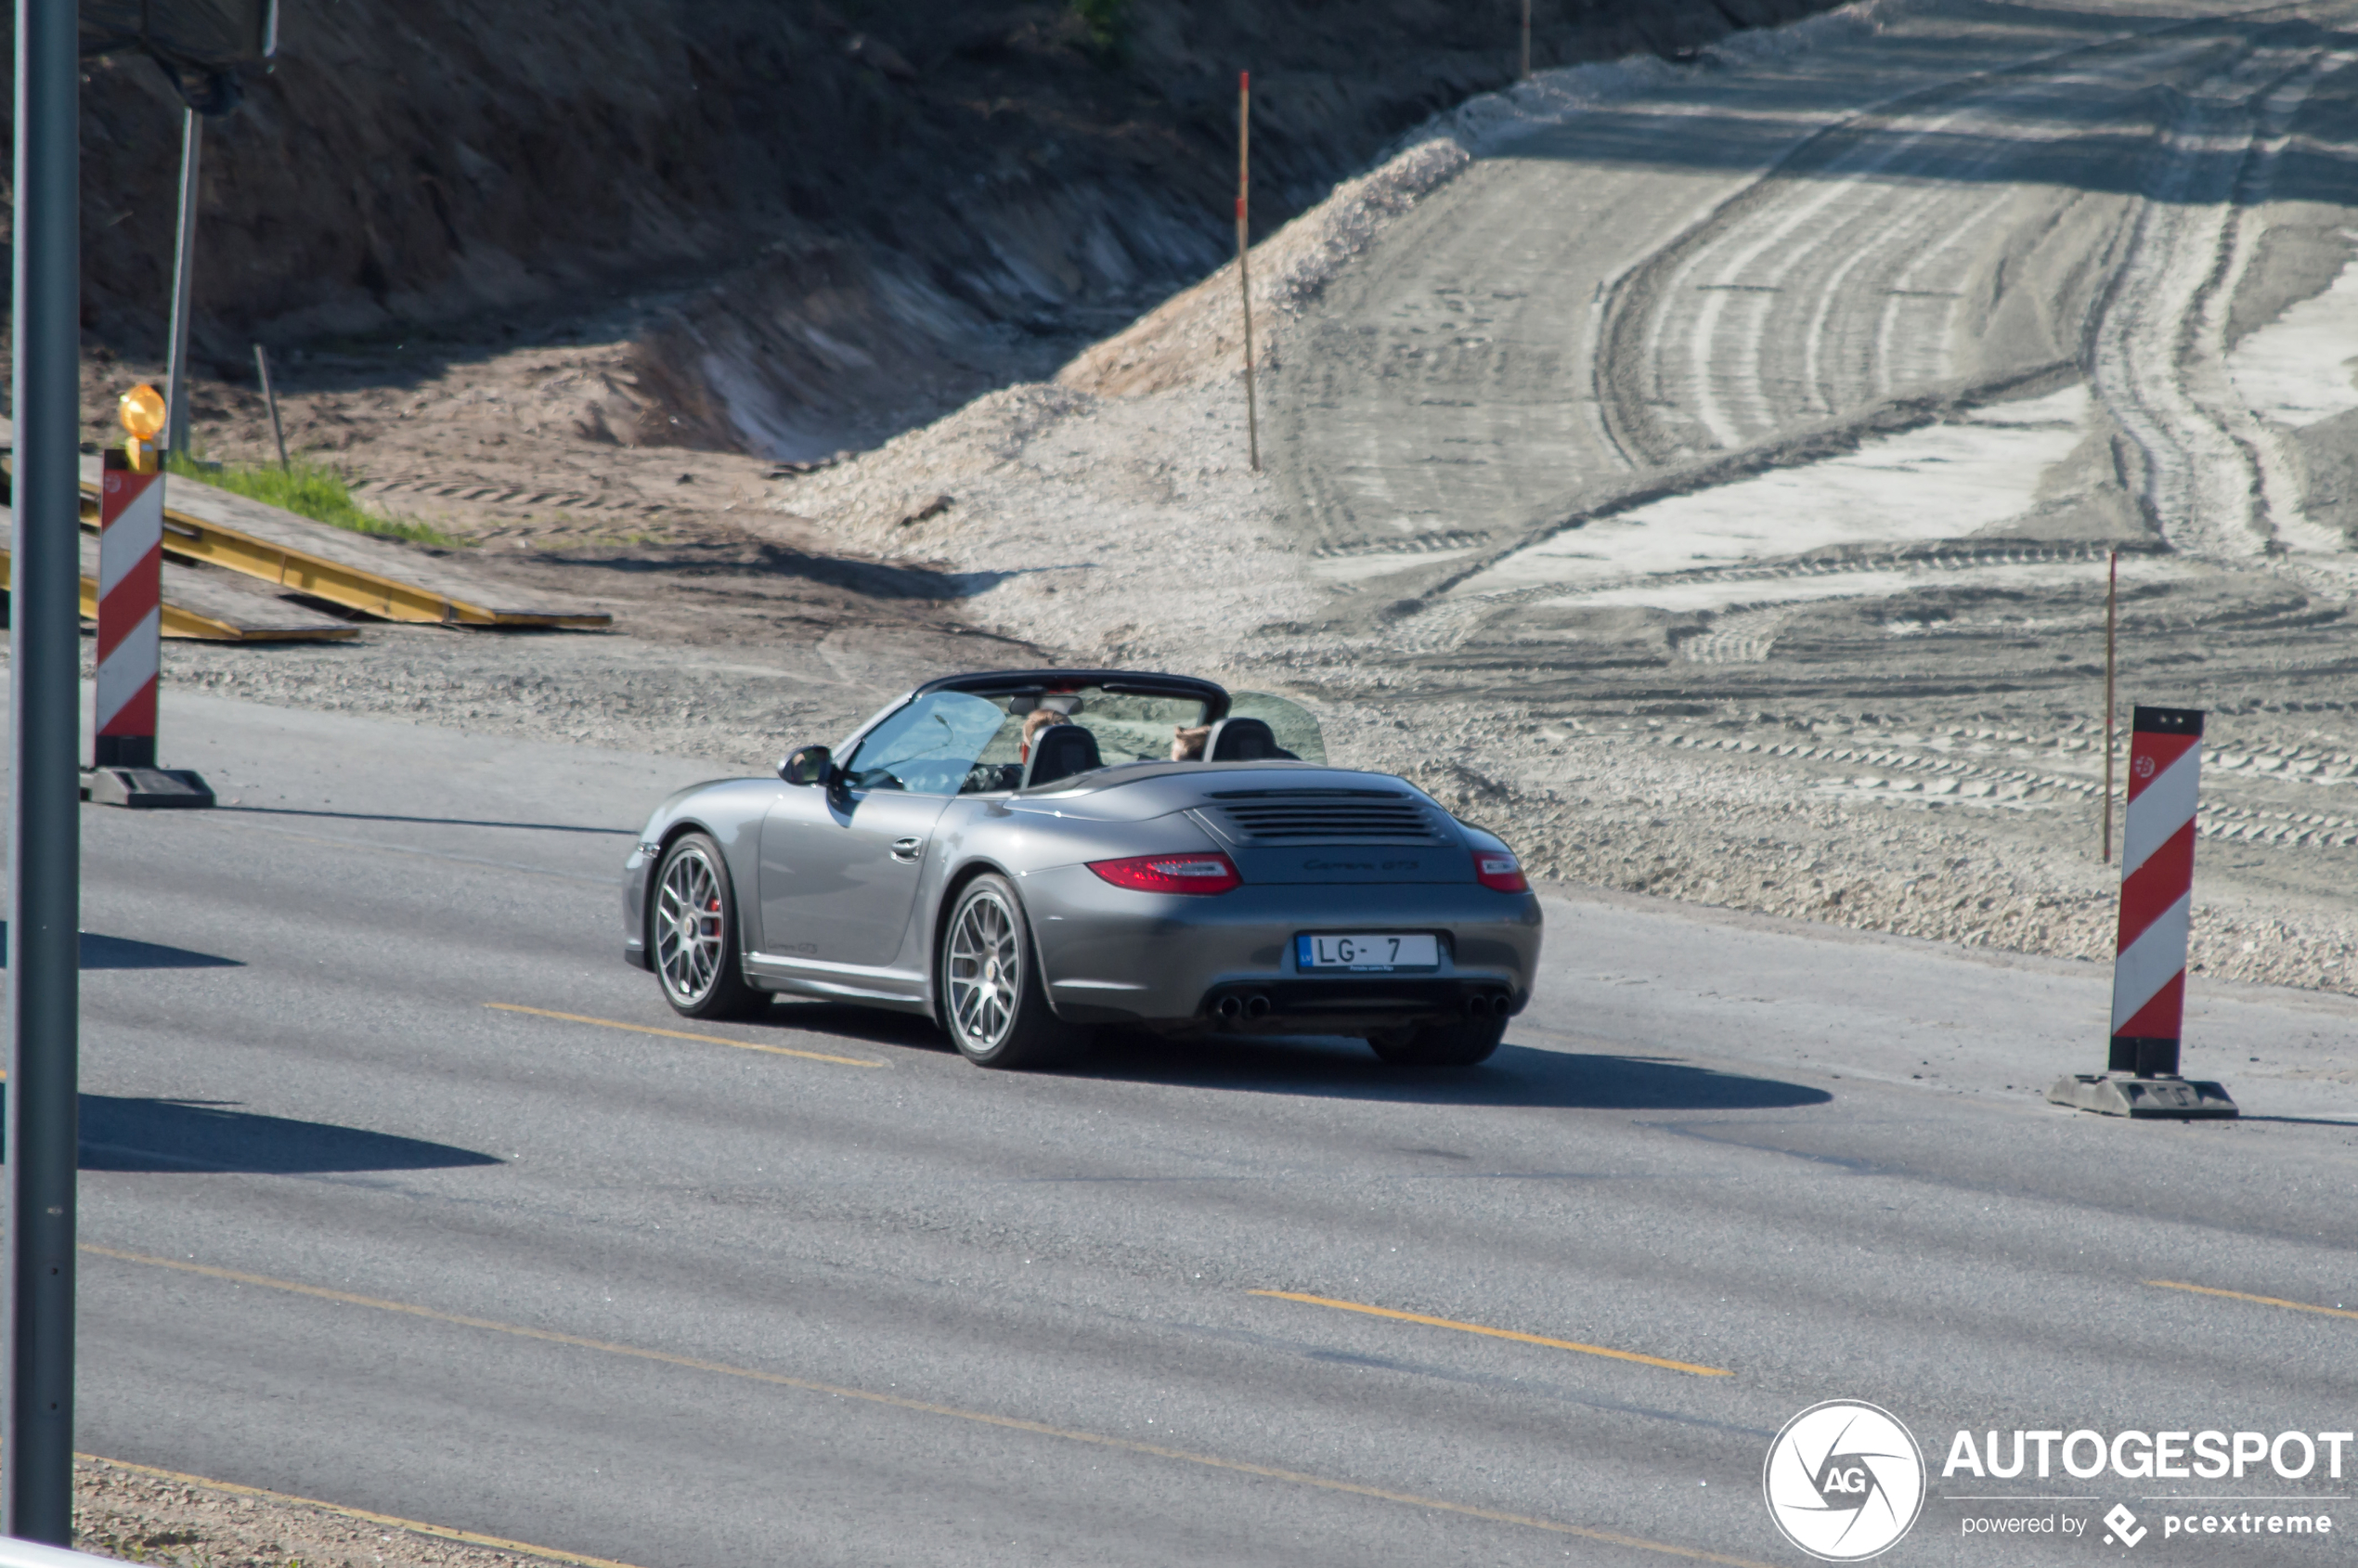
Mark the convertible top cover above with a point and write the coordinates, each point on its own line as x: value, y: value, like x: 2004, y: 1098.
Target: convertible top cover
x: 1129, y: 682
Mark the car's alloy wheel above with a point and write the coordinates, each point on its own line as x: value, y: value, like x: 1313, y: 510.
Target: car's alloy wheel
x: 694, y: 931
x: 993, y: 1004
x: 983, y: 953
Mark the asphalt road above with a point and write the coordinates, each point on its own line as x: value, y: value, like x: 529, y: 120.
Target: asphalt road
x: 356, y: 1232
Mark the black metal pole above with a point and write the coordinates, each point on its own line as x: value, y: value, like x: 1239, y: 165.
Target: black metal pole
x: 179, y: 425
x: 270, y: 399
x: 45, y: 829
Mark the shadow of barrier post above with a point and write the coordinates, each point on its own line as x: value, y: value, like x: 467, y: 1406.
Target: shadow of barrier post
x: 208, y: 1136
x: 128, y: 952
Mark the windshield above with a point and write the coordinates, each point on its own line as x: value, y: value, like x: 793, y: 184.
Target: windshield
x: 928, y: 747
x: 957, y: 742
x: 1296, y: 732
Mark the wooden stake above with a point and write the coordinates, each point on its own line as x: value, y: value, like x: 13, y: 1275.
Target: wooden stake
x: 1244, y: 252
x: 1526, y: 40
x: 262, y: 364
x: 2112, y: 602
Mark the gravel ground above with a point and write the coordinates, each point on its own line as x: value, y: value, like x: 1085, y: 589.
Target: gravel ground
x: 1926, y: 762
x: 142, y: 1516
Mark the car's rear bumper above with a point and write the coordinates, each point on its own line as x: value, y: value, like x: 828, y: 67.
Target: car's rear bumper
x: 1347, y: 1005
x: 1111, y: 955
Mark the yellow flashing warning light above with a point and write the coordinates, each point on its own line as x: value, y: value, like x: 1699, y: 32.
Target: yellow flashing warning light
x: 142, y: 411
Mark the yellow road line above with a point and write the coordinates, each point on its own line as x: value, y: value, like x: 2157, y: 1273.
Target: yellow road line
x: 1497, y: 1333
x: 921, y: 1406
x: 2242, y: 1296
x: 682, y: 1034
x: 440, y: 1532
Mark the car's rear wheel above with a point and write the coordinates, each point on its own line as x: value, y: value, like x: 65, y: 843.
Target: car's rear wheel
x: 692, y: 930
x: 1451, y: 1044
x: 993, y: 1003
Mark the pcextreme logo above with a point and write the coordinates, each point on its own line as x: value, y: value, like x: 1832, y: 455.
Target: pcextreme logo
x: 1843, y: 1481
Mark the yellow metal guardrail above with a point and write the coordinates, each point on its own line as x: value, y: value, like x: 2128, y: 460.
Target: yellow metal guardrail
x: 355, y: 587
x: 179, y: 621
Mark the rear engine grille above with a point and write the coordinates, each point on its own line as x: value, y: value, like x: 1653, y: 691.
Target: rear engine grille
x: 1279, y: 820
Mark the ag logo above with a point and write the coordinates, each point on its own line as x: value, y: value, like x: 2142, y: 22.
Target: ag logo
x: 1843, y: 1481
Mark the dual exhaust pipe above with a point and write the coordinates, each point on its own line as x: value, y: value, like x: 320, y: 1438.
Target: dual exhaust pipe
x: 1485, y: 1005
x: 1233, y: 1008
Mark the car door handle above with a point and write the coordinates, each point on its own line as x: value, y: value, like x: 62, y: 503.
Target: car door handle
x: 907, y: 848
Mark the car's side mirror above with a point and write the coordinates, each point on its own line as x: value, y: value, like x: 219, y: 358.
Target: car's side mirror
x: 808, y: 765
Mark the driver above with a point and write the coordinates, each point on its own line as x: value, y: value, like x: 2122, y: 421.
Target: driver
x: 1188, y: 742
x: 1038, y: 719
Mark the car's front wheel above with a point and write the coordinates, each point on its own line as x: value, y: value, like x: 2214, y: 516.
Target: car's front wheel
x: 993, y: 1002
x: 1451, y: 1044
x: 692, y: 930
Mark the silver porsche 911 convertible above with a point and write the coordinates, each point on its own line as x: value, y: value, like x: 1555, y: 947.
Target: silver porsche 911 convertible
x: 1028, y: 855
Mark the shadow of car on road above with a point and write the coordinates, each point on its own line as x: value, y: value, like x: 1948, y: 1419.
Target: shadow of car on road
x: 1335, y: 1067
x: 1518, y: 1075
x: 844, y: 1021
x: 123, y: 1133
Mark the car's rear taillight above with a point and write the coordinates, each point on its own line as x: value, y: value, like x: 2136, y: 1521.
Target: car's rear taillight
x: 1209, y: 873
x: 1500, y: 873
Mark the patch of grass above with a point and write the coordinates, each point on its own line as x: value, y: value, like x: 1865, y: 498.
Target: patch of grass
x: 314, y: 490
x: 1108, y: 25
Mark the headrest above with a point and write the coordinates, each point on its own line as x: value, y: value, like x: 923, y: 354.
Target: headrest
x: 1241, y: 740
x: 1059, y: 752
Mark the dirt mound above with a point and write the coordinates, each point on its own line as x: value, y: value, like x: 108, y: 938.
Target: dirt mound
x: 1201, y: 329
x: 818, y: 225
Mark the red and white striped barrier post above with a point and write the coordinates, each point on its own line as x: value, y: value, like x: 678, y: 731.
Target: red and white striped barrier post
x: 130, y: 612
x: 130, y: 658
x: 2157, y: 900
x: 2157, y: 891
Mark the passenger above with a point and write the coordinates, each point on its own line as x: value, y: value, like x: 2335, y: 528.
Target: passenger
x: 1187, y: 745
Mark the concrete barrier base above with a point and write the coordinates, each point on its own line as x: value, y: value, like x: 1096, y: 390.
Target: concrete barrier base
x: 145, y: 788
x: 2109, y: 1093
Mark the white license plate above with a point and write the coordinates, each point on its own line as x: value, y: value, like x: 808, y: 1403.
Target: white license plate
x: 1367, y: 952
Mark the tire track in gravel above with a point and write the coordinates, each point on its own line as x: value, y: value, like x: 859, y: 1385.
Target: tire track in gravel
x: 2199, y: 481
x: 1964, y: 779
x: 2215, y: 481
x: 1700, y: 336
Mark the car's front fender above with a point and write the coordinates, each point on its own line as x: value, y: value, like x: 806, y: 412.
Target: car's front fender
x: 730, y: 811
